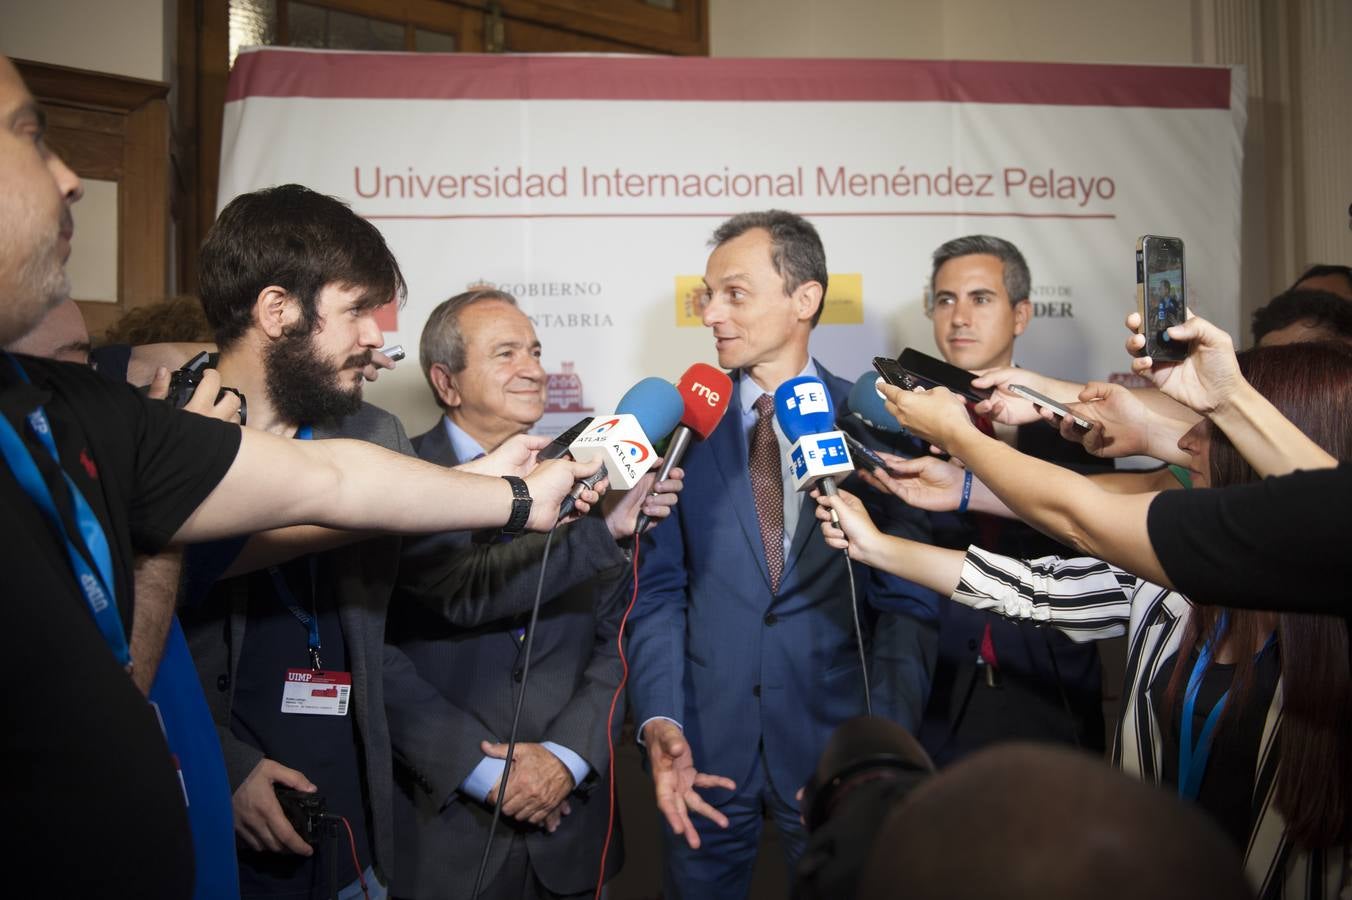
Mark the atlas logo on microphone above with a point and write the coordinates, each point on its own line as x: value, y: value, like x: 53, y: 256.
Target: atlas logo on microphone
x: 603, y: 427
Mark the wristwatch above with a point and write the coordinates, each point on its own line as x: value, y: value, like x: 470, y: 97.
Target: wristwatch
x: 521, y: 502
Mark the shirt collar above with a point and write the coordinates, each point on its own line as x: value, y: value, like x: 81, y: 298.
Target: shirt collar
x: 748, y: 392
x: 465, y: 447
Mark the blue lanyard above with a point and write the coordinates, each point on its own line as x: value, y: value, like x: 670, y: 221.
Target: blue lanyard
x: 1192, y: 759
x: 96, y: 582
x: 309, y: 619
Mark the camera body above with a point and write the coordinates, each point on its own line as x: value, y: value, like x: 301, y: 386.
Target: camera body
x: 183, y: 384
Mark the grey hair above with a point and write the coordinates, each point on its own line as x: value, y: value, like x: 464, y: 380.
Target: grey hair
x: 796, y: 250
x: 442, y: 341
x: 1018, y: 281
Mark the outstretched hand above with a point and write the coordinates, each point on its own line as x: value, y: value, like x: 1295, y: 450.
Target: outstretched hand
x: 675, y: 779
x: 925, y: 482
x: 1203, y: 380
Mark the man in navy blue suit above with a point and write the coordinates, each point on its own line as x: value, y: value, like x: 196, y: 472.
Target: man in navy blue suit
x: 743, y: 648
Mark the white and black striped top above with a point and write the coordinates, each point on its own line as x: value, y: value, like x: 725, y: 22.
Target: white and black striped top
x: 1088, y: 599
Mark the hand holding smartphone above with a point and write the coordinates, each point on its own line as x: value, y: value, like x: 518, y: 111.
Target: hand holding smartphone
x: 1042, y: 400
x: 915, y: 369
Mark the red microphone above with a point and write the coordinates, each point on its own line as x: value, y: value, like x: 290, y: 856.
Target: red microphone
x: 706, y: 393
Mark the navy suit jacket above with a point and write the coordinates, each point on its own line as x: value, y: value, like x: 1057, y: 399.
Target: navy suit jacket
x: 739, y: 666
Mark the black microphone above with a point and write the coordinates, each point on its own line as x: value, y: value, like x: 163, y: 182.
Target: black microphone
x: 559, y: 446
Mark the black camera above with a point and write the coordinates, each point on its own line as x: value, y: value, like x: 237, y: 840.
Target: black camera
x: 868, y: 767
x: 183, y: 383
x: 307, y: 813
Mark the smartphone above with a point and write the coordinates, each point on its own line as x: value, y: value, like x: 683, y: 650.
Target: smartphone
x: 927, y: 372
x: 1043, y: 400
x: 1161, y: 299
x: 863, y: 456
x: 394, y: 352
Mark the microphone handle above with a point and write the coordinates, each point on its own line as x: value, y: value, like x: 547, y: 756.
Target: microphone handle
x: 680, y: 442
x: 829, y: 488
x: 591, y: 481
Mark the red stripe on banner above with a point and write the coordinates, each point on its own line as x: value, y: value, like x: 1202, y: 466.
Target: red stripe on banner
x: 339, y: 75
x: 724, y: 215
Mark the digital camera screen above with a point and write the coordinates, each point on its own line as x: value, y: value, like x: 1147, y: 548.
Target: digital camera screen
x: 1164, y: 284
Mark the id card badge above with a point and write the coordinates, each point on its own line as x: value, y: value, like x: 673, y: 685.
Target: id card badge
x: 316, y: 693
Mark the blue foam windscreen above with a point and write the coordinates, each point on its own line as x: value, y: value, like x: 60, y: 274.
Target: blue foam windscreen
x: 656, y: 404
x: 866, y: 405
x: 803, y: 406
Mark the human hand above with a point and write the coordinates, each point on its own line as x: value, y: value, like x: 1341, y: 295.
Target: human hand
x: 378, y: 361
x: 622, y: 508
x: 259, y: 820
x: 675, y: 780
x: 1009, y: 408
x: 855, y: 532
x: 203, y: 400
x: 537, y: 784
x: 515, y: 456
x: 925, y: 482
x: 555, y: 479
x: 1205, y: 379
x: 933, y: 415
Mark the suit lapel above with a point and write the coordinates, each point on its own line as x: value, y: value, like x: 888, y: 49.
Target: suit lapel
x: 728, y: 446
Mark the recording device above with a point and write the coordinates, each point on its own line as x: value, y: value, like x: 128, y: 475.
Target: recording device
x: 869, y: 408
x: 1161, y: 299
x: 1046, y: 402
x: 183, y: 384
x: 806, y: 415
x: 705, y: 394
x: 915, y: 369
x: 307, y: 813
x: 622, y: 441
x: 863, y: 456
x: 870, y: 765
x: 395, y: 352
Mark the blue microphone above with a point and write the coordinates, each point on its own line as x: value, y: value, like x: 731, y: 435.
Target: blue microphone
x: 648, y: 411
x: 869, y: 408
x: 807, y: 417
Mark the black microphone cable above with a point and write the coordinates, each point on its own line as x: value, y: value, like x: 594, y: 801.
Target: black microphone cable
x: 858, y: 632
x: 516, y: 714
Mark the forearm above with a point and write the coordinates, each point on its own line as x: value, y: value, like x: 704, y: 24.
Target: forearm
x: 1264, y: 437
x: 1063, y: 504
x: 343, y: 484
x: 280, y: 545
x: 156, y: 587
x: 1127, y: 482
x: 936, y: 568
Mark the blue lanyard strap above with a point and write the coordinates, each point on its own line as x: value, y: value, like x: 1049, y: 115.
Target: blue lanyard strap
x: 96, y: 581
x: 308, y: 619
x: 1192, y: 758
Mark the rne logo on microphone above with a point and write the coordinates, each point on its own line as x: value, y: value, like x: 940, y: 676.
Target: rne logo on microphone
x: 711, y: 396
x: 810, y: 399
x: 604, y: 426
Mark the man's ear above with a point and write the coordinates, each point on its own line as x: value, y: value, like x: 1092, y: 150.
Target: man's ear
x: 275, y: 311
x: 809, y: 299
x: 443, y: 383
x: 1023, y: 314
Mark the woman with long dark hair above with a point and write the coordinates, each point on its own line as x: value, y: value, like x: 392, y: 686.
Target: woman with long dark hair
x: 1249, y: 714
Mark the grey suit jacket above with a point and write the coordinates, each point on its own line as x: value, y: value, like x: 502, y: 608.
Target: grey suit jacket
x: 468, y: 588
x: 471, y: 678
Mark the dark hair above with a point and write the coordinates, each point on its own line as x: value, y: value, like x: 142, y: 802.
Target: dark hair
x: 1018, y: 280
x: 442, y: 341
x: 1319, y: 270
x: 298, y: 240
x: 796, y: 250
x: 1321, y: 307
x: 1311, y: 384
x: 176, y: 320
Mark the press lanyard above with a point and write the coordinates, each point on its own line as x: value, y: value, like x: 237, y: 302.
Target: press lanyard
x: 96, y: 582
x: 1192, y: 759
x: 308, y: 619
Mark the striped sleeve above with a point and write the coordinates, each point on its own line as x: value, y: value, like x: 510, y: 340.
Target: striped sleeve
x: 1087, y: 599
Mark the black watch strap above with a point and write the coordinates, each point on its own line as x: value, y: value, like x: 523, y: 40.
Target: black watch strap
x: 521, y: 503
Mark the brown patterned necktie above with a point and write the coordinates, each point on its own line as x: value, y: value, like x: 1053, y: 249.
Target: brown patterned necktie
x: 767, y: 487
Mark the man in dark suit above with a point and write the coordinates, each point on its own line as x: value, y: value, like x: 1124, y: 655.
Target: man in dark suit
x: 482, y: 361
x: 743, y: 642
x: 998, y: 680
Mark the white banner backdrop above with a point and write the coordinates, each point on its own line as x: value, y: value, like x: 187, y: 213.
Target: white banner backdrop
x: 588, y: 187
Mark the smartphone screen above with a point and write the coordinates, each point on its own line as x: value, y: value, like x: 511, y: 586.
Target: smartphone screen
x: 1165, y: 301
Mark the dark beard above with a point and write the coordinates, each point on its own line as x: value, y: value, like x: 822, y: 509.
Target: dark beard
x: 303, y: 386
